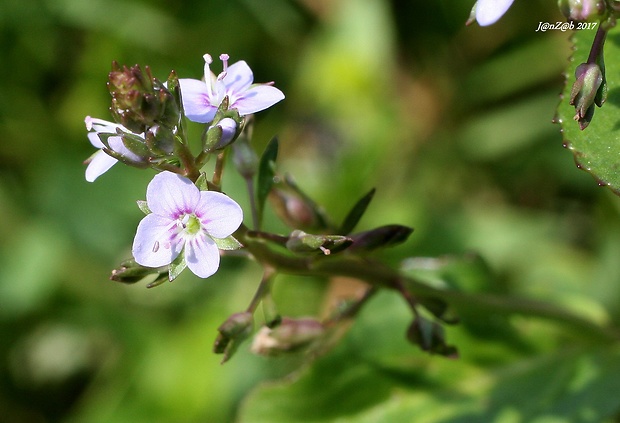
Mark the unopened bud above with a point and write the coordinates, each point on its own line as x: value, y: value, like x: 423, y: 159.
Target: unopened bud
x: 430, y: 337
x: 139, y: 100
x: 295, y: 208
x: 232, y: 333
x: 245, y: 158
x: 289, y: 336
x: 589, y: 88
x: 384, y: 236
x: 160, y: 140
x: 131, y: 272
x: 221, y: 134
x: 582, y: 10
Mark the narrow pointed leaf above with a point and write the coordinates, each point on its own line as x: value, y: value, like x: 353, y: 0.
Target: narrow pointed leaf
x: 356, y: 213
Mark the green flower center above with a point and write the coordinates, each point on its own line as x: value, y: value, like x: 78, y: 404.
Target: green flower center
x: 191, y: 224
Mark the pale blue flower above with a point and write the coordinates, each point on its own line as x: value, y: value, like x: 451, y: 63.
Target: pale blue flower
x: 202, y: 98
x: 184, y: 218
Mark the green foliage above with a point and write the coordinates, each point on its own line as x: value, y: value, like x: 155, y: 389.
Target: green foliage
x: 452, y: 127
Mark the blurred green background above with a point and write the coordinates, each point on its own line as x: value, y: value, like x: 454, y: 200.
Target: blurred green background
x: 451, y: 124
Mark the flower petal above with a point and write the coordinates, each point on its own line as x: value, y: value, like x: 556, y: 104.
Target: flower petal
x: 158, y: 241
x: 202, y: 255
x: 238, y: 77
x: 489, y: 11
x: 94, y: 139
x: 196, y: 101
x: 219, y: 214
x: 171, y: 195
x: 256, y: 99
x: 99, y: 163
x: 116, y: 144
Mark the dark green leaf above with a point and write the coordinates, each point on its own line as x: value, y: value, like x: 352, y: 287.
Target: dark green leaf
x: 356, y: 213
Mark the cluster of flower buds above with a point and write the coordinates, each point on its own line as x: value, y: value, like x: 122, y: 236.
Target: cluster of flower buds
x: 140, y: 101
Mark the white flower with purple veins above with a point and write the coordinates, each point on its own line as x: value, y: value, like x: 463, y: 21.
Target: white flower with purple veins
x: 202, y: 98
x: 487, y: 12
x: 183, y: 218
x: 100, y: 162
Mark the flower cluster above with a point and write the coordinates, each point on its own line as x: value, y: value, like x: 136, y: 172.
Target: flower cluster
x: 185, y: 226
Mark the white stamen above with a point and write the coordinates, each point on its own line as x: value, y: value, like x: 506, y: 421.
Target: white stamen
x: 224, y: 58
x: 208, y: 81
x: 156, y: 246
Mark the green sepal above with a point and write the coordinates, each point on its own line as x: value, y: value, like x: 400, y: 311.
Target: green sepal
x: 160, y: 280
x: 130, y: 272
x: 177, y: 266
x: 228, y: 243
x: 202, y: 182
x: 212, y: 137
x: 173, y: 110
x: 143, y: 206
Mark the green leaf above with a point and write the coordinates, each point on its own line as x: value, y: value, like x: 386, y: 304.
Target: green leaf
x: 373, y: 375
x: 266, y: 172
x: 597, y: 147
x: 229, y: 243
x: 356, y: 213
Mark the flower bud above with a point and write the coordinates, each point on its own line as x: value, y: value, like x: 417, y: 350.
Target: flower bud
x: 221, y: 134
x: 160, y: 140
x: 582, y: 10
x: 589, y: 88
x: 245, y: 158
x: 430, y: 337
x: 131, y: 272
x: 384, y: 236
x: 289, y: 336
x: 295, y: 208
x: 232, y: 333
x: 140, y: 101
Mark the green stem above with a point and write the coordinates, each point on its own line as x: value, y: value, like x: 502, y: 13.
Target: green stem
x: 219, y: 168
x: 250, y: 186
x: 263, y: 289
x: 378, y: 275
x: 597, y: 45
